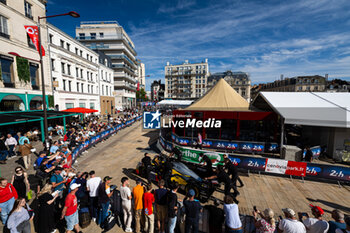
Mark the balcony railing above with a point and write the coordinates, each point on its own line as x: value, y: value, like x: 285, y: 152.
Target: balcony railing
x: 98, y: 46
x: 11, y: 85
x: 122, y: 57
x: 4, y: 35
x: 121, y: 66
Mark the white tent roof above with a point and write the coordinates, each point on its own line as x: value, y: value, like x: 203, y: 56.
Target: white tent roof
x: 175, y: 102
x: 311, y: 108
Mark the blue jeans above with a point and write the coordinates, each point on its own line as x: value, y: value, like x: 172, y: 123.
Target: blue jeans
x: 6, y: 208
x: 3, y: 155
x: 228, y: 230
x: 172, y: 224
x: 103, y: 214
x: 11, y: 152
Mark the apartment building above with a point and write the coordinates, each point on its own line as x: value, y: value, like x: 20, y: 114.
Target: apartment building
x: 239, y: 81
x: 20, y: 75
x: 186, y: 80
x: 107, y: 100
x: 110, y: 38
x: 75, y: 72
x: 141, y: 75
x: 313, y: 83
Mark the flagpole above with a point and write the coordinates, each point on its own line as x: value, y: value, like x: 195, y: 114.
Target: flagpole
x: 46, y: 142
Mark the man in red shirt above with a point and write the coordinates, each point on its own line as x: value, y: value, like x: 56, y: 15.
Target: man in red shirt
x: 148, y: 200
x: 70, y: 210
x: 8, y: 194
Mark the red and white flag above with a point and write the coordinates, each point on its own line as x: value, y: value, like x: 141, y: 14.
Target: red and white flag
x: 33, y: 33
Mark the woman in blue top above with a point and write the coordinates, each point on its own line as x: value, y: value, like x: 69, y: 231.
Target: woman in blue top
x: 19, y: 217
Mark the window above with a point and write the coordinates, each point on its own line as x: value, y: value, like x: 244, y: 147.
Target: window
x: 68, y: 46
x: 81, y: 73
x: 68, y: 69
x: 88, y: 88
x: 28, y: 10
x: 70, y: 85
x: 6, y: 71
x: 50, y: 38
x: 3, y: 27
x: 64, y: 84
x: 82, y: 87
x: 308, y: 88
x: 87, y: 56
x: 62, y: 68
x: 69, y: 105
x: 103, y: 90
x: 76, y: 51
x: 3, y: 1
x: 30, y: 42
x: 77, y: 72
x: 81, y: 53
x: 53, y: 64
x: 106, y: 90
x: 77, y: 87
x: 33, y: 70
x: 101, y: 35
x: 82, y: 105
x: 316, y: 88
x: 92, y: 105
x: 93, y: 36
x: 82, y: 36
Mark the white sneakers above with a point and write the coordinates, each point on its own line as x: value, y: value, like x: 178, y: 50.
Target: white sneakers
x: 128, y: 230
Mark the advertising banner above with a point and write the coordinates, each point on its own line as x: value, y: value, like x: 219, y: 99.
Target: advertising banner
x: 33, y: 34
x: 192, y: 155
x: 278, y: 166
x: 296, y: 168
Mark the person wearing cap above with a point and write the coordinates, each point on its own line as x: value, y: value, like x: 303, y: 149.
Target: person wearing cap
x: 267, y: 222
x: 192, y: 210
x: 216, y: 217
x: 290, y: 224
x: 104, y: 193
x: 338, y: 222
x: 57, y: 180
x: 137, y: 193
x: 70, y: 210
x: 347, y: 229
x: 316, y: 224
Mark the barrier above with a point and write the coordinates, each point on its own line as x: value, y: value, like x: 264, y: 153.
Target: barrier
x: 276, y: 166
x: 96, y: 139
x: 234, y: 146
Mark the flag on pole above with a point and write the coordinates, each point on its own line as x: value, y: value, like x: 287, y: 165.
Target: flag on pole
x: 33, y: 33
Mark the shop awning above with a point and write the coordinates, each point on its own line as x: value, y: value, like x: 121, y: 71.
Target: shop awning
x: 308, y: 108
x: 222, y: 97
x: 80, y: 110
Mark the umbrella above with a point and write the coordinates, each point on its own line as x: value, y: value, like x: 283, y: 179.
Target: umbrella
x: 80, y: 110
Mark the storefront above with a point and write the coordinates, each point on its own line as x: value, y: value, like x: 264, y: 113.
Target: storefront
x: 20, y: 102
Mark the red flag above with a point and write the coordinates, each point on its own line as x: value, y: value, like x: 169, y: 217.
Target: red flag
x: 33, y: 33
x: 138, y: 86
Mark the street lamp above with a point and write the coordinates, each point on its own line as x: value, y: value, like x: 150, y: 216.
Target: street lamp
x: 75, y: 15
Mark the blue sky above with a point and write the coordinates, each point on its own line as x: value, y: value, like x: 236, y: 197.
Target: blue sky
x: 265, y: 38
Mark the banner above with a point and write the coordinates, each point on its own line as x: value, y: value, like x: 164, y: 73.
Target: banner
x: 33, y: 33
x: 296, y: 168
x: 192, y: 155
x: 276, y: 166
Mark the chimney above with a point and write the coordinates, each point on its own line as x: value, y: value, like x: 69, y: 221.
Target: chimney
x: 326, y: 77
x: 281, y: 76
x: 167, y: 63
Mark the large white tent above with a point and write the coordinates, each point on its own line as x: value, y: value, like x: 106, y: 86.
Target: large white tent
x: 309, y: 108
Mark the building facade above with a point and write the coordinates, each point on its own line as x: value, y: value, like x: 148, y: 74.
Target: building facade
x: 239, y: 81
x: 107, y: 100
x: 141, y: 75
x: 314, y: 83
x: 157, y: 91
x: 20, y: 71
x: 75, y: 72
x: 187, y: 80
x: 110, y: 38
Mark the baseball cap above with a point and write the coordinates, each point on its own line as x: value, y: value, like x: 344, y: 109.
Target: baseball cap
x: 317, y: 209
x: 66, y: 166
x: 42, y: 152
x: 107, y: 178
x: 289, y: 211
x: 191, y: 193
x: 74, y: 186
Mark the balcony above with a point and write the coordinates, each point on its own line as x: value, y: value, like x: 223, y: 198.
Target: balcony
x: 122, y: 66
x: 98, y: 46
x: 123, y: 57
x: 122, y: 75
x: 125, y: 85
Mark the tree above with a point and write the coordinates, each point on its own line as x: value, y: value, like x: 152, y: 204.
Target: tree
x: 141, y: 95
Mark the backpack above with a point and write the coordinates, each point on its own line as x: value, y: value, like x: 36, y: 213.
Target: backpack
x: 84, y: 217
x: 109, y: 222
x: 116, y: 202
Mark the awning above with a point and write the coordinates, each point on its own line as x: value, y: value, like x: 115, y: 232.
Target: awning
x: 308, y: 108
x: 80, y: 110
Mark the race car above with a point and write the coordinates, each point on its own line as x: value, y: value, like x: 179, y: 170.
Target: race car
x: 184, y: 176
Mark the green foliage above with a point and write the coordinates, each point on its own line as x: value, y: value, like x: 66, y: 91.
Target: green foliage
x: 23, y: 69
x: 141, y: 95
x: 51, y: 101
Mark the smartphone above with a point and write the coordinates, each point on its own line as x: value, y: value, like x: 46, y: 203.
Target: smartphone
x: 255, y: 209
x: 304, y: 214
x: 280, y: 217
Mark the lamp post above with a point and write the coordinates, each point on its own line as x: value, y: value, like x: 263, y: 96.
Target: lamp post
x: 75, y: 15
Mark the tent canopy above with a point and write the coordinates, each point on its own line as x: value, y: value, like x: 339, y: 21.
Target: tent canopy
x: 308, y: 108
x: 175, y: 102
x: 221, y: 97
x: 80, y: 110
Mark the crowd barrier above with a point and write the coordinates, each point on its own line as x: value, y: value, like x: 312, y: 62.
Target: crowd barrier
x: 234, y: 146
x: 96, y: 139
x: 268, y: 165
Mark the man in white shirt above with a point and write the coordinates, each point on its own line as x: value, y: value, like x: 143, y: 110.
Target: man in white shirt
x: 317, y: 224
x: 92, y: 186
x: 11, y: 142
x: 125, y: 194
x: 290, y: 224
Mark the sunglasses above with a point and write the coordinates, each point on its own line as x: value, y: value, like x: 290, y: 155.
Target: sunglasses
x: 19, y: 170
